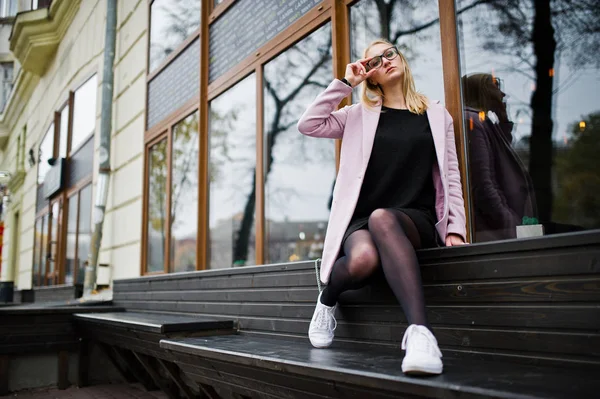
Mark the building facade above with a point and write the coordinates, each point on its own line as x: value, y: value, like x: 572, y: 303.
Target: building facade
x: 208, y: 168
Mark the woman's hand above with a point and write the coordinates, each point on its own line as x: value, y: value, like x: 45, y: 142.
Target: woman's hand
x: 356, y: 72
x: 453, y: 240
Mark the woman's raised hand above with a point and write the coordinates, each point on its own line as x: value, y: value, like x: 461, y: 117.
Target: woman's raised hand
x: 356, y: 72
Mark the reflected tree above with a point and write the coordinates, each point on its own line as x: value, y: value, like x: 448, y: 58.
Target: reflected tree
x: 535, y: 33
x: 172, y: 22
x: 577, y: 170
x: 302, y: 68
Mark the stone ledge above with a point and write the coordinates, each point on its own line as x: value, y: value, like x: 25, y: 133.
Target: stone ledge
x: 36, y: 34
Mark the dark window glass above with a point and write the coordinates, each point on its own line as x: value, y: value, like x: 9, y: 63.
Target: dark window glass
x: 84, y: 112
x: 530, y: 79
x: 232, y: 163
x: 184, y: 194
x: 171, y: 22
x: 157, y: 206
x: 299, y: 170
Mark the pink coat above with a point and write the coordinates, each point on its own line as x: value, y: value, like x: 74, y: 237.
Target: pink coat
x: 357, y: 124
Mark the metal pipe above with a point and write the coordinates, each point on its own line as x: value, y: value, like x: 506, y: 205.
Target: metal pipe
x: 104, y: 152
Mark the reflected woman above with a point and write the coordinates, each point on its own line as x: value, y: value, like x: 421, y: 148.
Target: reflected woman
x: 502, y: 190
x: 398, y: 189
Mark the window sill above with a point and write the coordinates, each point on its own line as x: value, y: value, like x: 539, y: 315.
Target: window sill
x: 36, y: 34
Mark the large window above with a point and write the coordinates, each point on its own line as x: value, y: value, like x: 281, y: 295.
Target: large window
x: 172, y: 173
x: 532, y: 114
x: 171, y: 23
x: 299, y: 171
x: 84, y: 113
x: 232, y: 171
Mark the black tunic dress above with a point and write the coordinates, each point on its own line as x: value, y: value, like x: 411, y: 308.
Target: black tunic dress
x: 399, y: 173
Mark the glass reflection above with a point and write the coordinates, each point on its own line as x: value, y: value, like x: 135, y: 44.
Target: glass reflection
x: 531, y: 109
x: 70, y: 261
x: 413, y: 26
x: 299, y: 171
x: 84, y: 113
x: 171, y: 22
x: 232, y: 176
x: 157, y: 206
x: 84, y: 233
x: 184, y: 194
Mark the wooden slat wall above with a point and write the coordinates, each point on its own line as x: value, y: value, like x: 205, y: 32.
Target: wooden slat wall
x: 54, y: 293
x: 523, y: 301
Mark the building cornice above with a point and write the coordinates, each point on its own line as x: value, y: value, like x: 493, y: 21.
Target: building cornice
x: 36, y: 34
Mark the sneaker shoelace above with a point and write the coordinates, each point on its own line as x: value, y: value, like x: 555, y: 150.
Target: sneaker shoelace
x: 420, y: 339
x: 323, y: 317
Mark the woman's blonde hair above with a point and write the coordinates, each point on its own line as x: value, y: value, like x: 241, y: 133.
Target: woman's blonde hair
x: 372, y: 95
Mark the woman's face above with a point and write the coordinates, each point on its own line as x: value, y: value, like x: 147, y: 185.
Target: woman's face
x: 388, y: 70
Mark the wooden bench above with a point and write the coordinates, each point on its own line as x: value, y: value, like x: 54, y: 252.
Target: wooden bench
x: 131, y: 341
x: 39, y: 329
x: 257, y: 367
x: 532, y: 305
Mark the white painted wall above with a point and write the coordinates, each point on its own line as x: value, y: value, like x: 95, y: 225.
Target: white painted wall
x: 80, y: 55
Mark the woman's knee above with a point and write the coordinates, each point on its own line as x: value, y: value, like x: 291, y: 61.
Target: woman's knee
x: 362, y: 261
x: 382, y: 221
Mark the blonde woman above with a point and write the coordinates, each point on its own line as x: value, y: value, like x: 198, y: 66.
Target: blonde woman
x: 398, y: 189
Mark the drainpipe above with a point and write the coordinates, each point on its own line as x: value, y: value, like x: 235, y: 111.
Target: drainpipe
x: 104, y: 152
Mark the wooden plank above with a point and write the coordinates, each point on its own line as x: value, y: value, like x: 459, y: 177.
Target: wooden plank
x: 278, y: 384
x: 375, y: 369
x: 525, y: 315
x: 154, y: 322
x: 568, y: 289
x: 63, y: 370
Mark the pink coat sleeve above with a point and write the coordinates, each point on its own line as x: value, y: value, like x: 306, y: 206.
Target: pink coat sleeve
x: 457, y: 221
x: 320, y: 118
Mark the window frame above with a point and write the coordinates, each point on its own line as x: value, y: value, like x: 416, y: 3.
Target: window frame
x: 338, y: 14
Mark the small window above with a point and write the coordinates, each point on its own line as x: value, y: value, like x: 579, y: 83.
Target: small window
x: 8, y: 8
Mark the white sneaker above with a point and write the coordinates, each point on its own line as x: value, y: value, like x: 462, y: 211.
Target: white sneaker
x: 423, y: 355
x: 322, y: 325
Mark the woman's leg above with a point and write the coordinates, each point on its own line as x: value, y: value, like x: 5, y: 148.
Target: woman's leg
x: 396, y: 238
x: 352, y: 270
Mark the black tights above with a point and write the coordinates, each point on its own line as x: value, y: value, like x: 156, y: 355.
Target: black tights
x: 390, y: 241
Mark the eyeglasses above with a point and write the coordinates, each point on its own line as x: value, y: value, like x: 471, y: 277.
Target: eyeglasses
x: 498, y: 83
x: 377, y: 61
